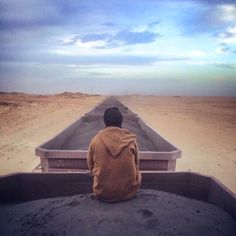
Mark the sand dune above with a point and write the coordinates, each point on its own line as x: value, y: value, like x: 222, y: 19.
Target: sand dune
x: 204, y: 128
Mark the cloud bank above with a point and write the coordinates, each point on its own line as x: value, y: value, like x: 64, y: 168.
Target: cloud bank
x: 158, y: 40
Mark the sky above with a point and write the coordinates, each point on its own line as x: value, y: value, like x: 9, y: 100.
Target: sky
x: 158, y: 47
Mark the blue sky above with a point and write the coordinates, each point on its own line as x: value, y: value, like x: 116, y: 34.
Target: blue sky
x: 145, y: 46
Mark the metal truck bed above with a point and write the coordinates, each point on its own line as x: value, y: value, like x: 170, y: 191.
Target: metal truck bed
x: 67, y: 151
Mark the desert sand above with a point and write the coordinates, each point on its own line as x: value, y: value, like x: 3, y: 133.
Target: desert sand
x: 27, y: 121
x: 204, y: 128
x: 150, y: 213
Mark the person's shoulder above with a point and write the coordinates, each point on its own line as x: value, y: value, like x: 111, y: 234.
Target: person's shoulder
x: 96, y: 137
x: 130, y: 133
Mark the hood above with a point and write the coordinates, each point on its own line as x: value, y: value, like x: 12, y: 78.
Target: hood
x: 116, y: 139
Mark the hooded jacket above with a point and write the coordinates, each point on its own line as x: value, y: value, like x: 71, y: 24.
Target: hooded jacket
x: 113, y: 162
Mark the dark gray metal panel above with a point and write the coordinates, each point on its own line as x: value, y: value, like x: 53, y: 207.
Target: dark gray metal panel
x: 38, y: 185
x: 31, y: 186
x: 10, y: 188
x: 222, y: 196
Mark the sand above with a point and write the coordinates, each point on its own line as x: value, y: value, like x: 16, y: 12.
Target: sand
x: 204, y: 128
x: 26, y: 121
x: 150, y: 213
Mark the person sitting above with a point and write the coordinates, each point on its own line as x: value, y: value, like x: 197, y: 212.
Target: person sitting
x: 113, y: 160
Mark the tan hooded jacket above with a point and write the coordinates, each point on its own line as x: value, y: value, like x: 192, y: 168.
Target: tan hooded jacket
x: 113, y: 161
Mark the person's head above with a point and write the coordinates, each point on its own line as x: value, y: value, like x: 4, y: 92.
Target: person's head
x: 113, y: 117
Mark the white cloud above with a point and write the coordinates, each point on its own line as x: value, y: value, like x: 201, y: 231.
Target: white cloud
x: 72, y: 66
x: 232, y: 30
x: 229, y: 36
x: 197, y: 53
x: 231, y: 40
x: 227, y: 12
x: 90, y: 44
x: 63, y: 52
x: 69, y: 39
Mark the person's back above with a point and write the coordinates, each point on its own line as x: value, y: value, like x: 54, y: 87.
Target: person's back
x: 113, y: 160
